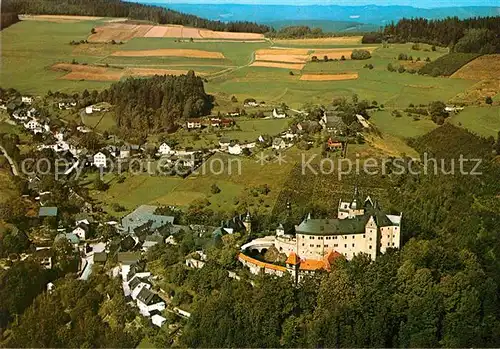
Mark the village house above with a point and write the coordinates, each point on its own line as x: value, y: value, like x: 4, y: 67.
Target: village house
x: 158, y: 320
x: 20, y: 115
x: 136, y: 284
x: 99, y: 160
x: 66, y: 105
x: 193, y: 124
x: 279, y: 143
x: 334, y: 145
x: 279, y: 113
x: 234, y: 113
x: 332, y: 122
x: 26, y: 100
x: 148, y: 302
x: 125, y: 151
x: 165, y: 149
x: 224, y: 143
x: 235, y: 149
x: 82, y: 231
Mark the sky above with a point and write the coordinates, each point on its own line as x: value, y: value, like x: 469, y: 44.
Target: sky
x: 414, y: 3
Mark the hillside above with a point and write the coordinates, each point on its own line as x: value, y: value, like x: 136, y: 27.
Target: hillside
x: 118, y: 8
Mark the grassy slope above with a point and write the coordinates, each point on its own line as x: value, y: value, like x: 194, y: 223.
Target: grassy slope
x: 29, y: 48
x: 484, y: 121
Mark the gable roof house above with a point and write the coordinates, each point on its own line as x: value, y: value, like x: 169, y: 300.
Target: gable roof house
x: 99, y: 160
x: 224, y: 142
x: 47, y: 211
x: 279, y: 113
x: 279, y: 143
x: 165, y: 149
x: 332, y: 122
x: 136, y: 284
x: 82, y: 231
x: 235, y: 149
x: 152, y: 240
x: 148, y: 302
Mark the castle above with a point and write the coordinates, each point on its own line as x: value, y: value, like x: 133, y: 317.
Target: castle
x: 360, y: 227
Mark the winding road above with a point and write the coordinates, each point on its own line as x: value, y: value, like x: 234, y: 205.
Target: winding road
x: 15, y: 172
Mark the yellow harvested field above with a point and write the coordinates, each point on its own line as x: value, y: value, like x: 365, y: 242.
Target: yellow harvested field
x: 486, y: 67
x: 283, y: 51
x: 106, y: 76
x: 329, y: 77
x: 341, y: 40
x: 190, y: 33
x: 283, y: 58
x: 167, y: 52
x: 278, y: 65
x: 209, y: 34
x: 156, y: 32
x: 119, y: 32
x: 98, y: 73
x: 151, y: 72
x: 125, y: 31
x: 58, y: 18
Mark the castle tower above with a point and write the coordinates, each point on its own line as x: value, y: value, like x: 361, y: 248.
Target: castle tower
x: 292, y: 265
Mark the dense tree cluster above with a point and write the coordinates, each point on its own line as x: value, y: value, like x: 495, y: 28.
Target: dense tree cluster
x: 302, y: 32
x: 479, y: 35
x: 448, y: 64
x: 119, y: 8
x: 158, y: 103
x: 77, y: 313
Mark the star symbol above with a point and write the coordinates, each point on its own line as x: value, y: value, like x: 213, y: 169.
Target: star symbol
x: 280, y: 159
x: 261, y: 158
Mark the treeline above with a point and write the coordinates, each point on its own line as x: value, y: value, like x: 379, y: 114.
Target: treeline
x: 7, y: 19
x: 478, y: 35
x: 118, y: 8
x: 440, y: 290
x: 159, y: 103
x: 303, y: 32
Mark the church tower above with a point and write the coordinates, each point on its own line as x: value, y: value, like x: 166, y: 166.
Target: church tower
x: 247, y: 222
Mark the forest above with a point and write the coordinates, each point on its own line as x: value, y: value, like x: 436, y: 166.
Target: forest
x: 472, y: 35
x: 118, y: 8
x: 159, y: 103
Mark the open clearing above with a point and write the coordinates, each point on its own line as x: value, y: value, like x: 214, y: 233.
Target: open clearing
x: 482, y: 68
x: 127, y: 31
x: 170, y: 53
x: 329, y: 77
x: 341, y: 40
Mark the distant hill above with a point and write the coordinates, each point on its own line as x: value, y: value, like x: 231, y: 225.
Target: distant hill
x: 375, y: 15
x: 326, y: 26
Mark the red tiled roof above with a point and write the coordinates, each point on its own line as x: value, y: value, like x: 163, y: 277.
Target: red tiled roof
x: 261, y: 264
x: 312, y: 264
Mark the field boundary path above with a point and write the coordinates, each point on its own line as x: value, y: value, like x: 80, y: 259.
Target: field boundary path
x: 12, y: 164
